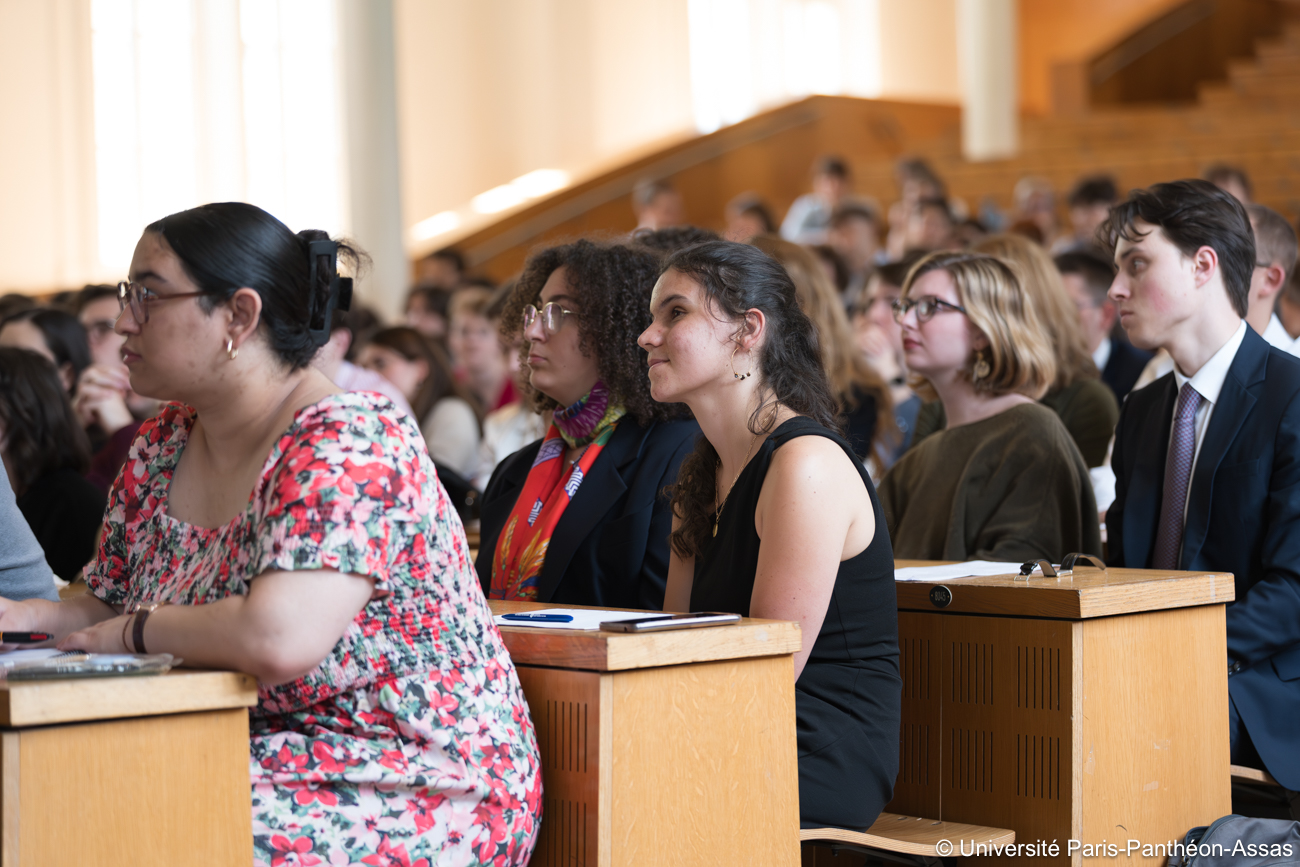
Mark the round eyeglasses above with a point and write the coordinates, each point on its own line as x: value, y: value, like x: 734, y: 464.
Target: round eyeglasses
x: 552, y: 316
x: 926, y: 306
x: 138, y: 298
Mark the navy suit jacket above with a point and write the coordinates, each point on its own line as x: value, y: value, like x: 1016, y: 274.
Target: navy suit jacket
x: 610, y: 546
x: 1243, y: 517
x: 1124, y: 367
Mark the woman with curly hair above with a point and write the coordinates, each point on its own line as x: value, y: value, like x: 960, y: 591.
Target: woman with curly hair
x: 775, y: 516
x: 579, y: 516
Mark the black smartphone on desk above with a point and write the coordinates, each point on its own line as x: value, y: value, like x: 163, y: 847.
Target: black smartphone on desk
x: 664, y: 622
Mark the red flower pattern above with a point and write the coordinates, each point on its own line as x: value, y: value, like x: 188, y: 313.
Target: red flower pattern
x: 411, y: 744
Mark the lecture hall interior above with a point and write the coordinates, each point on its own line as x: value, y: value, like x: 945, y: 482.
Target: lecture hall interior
x: 616, y: 433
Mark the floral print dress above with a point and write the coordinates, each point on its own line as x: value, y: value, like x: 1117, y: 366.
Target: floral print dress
x: 410, y: 744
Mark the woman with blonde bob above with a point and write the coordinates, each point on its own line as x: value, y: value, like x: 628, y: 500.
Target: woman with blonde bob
x: 1085, y: 405
x: 1004, y: 480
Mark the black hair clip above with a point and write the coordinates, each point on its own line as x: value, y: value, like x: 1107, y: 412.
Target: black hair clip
x: 340, y: 289
x: 1067, y: 566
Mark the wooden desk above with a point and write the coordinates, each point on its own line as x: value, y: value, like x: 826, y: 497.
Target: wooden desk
x: 676, y: 748
x: 129, y: 771
x: 1089, y: 708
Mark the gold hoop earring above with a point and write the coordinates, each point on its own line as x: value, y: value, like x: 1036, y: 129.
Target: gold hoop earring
x: 981, y: 369
x: 231, y: 349
x: 740, y: 376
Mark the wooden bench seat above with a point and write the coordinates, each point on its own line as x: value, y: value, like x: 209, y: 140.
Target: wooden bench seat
x: 1243, y: 774
x: 909, y: 836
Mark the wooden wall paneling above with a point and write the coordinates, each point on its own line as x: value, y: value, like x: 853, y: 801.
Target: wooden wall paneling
x: 566, y: 710
x: 178, y: 792
x: 704, y: 761
x: 1007, y: 690
x: 917, y: 789
x: 10, y: 796
x: 1154, y: 775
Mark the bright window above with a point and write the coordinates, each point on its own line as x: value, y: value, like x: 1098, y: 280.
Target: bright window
x: 216, y: 100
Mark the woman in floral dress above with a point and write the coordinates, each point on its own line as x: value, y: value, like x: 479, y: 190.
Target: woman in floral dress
x: 301, y: 535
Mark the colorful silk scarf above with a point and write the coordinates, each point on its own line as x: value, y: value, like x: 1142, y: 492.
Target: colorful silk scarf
x: 521, y: 548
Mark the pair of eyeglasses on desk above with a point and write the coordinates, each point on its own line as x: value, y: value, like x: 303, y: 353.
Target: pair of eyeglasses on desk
x: 1068, y: 562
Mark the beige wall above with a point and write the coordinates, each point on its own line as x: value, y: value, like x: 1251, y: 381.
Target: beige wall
x: 493, y: 89
x: 918, y: 50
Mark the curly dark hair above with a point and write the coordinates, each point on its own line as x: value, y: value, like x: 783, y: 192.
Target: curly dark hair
x: 670, y: 240
x: 612, y: 283
x: 42, y: 433
x: 736, y: 278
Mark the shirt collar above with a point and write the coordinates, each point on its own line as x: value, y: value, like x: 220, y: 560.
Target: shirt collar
x: 1102, y: 354
x: 1276, y: 334
x: 1208, y: 381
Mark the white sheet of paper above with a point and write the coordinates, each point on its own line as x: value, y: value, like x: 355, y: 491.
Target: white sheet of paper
x: 969, y: 569
x: 583, y: 618
x: 31, y: 654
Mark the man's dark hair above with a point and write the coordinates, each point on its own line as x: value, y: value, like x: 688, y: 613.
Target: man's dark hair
x: 937, y: 204
x: 649, y: 189
x: 832, y: 165
x: 452, y: 256
x: 670, y: 240
x: 1097, y: 273
x: 853, y: 211
x: 1222, y: 173
x: 1192, y: 214
x: 1275, y: 240
x: 90, y: 294
x: 895, y: 273
x: 1094, y: 190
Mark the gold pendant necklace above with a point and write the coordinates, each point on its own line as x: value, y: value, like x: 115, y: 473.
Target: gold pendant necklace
x: 717, y: 516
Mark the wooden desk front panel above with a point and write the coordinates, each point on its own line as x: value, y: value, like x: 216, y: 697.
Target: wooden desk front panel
x: 148, y: 792
x: 677, y: 765
x: 986, y: 729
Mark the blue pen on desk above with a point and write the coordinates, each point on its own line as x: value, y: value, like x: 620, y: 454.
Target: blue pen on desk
x: 539, y: 618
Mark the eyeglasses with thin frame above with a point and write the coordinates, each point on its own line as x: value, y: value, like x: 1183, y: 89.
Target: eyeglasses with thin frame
x: 552, y: 316
x: 138, y: 298
x: 926, y: 306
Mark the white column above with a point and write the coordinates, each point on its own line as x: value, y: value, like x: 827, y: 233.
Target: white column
x: 374, y: 181
x: 987, y: 59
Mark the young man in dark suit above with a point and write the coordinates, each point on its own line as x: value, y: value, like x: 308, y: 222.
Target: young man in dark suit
x: 1087, y: 279
x: 1207, y: 458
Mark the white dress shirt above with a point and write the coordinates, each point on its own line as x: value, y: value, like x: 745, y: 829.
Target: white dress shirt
x: 1101, y: 354
x: 1277, y: 336
x: 1208, y: 382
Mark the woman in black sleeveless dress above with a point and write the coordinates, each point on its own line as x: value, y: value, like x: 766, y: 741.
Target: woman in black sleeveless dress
x: 775, y: 517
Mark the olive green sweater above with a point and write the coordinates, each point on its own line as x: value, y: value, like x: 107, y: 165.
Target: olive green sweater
x: 1010, y: 487
x: 1086, y: 407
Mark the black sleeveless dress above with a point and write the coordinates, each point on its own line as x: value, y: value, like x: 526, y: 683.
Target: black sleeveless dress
x: 848, y: 698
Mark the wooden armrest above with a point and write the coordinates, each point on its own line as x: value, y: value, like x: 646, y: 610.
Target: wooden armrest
x: 1243, y: 774
x: 911, y: 835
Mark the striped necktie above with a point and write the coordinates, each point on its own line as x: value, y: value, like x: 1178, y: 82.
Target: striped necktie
x: 1178, y: 475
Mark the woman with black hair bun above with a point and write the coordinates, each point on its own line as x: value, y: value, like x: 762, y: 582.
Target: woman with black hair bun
x: 45, y: 454
x: 267, y: 523
x: 774, y: 515
x: 56, y: 334
x: 579, y: 516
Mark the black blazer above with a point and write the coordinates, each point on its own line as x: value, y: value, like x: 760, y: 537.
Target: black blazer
x: 610, y: 547
x: 1124, y: 367
x: 1243, y: 517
